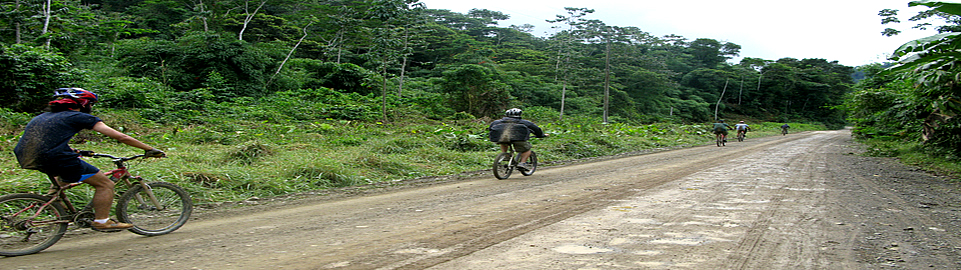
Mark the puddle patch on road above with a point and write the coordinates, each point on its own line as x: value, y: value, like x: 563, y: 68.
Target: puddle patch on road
x: 649, y: 252
x: 577, y: 249
x: 418, y: 251
x: 642, y: 221
x: 680, y: 241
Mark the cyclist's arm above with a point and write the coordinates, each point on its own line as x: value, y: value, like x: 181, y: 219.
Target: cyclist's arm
x: 119, y: 136
x: 538, y: 132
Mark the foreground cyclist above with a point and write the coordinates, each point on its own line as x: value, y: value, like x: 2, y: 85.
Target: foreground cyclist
x: 516, y: 131
x: 44, y: 147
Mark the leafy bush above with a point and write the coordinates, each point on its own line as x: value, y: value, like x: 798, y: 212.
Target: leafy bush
x: 28, y: 76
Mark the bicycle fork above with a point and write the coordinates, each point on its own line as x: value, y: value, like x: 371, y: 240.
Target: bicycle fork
x: 150, y: 195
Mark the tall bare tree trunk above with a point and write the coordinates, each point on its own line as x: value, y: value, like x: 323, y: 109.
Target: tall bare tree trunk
x: 46, y: 20
x: 291, y: 52
x: 249, y: 16
x: 383, y: 106
x: 607, y: 81
x: 718, y: 104
x: 17, y: 25
x: 403, y: 63
x: 563, y: 97
x: 741, y: 91
x: 203, y: 18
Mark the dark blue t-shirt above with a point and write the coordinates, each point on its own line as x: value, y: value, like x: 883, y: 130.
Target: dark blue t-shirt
x: 45, y: 140
x: 509, y: 129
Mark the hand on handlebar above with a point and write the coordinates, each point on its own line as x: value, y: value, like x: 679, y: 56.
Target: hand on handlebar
x: 155, y: 153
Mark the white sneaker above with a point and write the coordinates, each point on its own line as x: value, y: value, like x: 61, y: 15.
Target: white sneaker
x: 524, y: 166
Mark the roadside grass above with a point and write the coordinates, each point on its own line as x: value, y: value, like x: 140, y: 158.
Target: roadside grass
x: 916, y: 154
x: 237, y: 160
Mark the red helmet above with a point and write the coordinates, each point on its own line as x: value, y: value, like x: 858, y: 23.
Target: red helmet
x: 80, y: 96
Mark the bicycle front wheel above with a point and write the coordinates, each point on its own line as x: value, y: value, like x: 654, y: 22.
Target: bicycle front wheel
x: 160, y: 209
x: 502, y: 166
x: 532, y: 160
x: 23, y: 231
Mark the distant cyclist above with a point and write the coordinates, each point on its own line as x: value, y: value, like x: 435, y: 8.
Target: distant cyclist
x: 784, y: 129
x: 742, y: 128
x: 512, y: 130
x: 721, y: 128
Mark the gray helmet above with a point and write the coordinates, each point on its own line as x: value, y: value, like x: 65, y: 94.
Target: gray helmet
x: 514, y: 112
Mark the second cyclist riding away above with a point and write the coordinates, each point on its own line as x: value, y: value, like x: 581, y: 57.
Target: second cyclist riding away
x: 514, y: 131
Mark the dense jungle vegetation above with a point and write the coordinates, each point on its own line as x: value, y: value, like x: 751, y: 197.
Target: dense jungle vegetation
x: 266, y: 97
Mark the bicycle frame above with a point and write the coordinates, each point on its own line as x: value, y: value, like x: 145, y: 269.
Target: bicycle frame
x: 515, y: 156
x: 56, y: 196
x: 120, y: 174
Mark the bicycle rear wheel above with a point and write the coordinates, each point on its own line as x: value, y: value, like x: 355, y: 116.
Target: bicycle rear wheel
x: 169, y: 213
x: 740, y: 137
x: 20, y: 232
x: 502, y: 166
x: 532, y: 160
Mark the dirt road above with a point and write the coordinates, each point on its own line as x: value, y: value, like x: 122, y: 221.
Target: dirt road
x: 802, y: 201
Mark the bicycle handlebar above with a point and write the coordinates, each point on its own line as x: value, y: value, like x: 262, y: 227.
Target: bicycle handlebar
x: 115, y: 158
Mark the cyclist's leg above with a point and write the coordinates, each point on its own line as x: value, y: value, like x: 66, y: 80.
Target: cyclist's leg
x: 102, y: 195
x: 504, y: 147
x: 523, y: 147
x: 77, y: 170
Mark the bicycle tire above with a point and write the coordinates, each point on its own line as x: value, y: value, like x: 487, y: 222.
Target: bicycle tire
x: 19, y: 238
x: 502, y: 166
x: 532, y: 160
x: 740, y: 137
x: 149, y: 220
x: 717, y: 140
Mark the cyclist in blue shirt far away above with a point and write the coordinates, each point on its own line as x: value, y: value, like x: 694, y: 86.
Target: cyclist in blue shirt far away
x: 742, y: 127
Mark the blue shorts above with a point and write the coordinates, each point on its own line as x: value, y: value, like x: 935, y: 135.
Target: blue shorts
x: 72, y: 171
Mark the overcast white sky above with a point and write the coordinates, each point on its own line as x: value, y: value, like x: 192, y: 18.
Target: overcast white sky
x: 847, y: 31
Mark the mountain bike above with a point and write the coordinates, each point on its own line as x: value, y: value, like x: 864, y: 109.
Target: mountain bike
x: 30, y: 223
x: 783, y: 131
x: 506, y: 162
x: 719, y: 139
x: 740, y: 135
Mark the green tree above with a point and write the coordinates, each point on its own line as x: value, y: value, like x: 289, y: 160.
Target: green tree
x: 184, y: 63
x: 933, y: 63
x: 709, y: 53
x: 28, y: 76
x: 476, y: 89
x: 564, y: 42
